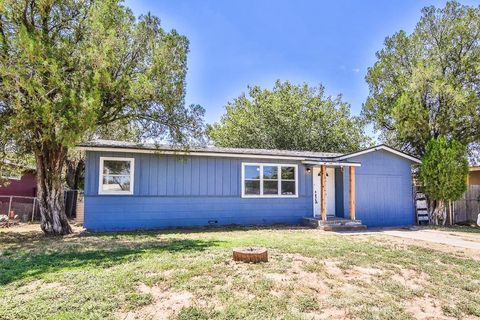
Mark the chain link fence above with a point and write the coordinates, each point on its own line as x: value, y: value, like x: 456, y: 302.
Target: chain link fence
x: 22, y: 209
x: 25, y: 209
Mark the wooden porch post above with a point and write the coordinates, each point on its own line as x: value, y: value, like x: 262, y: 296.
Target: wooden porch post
x: 323, y: 202
x: 351, y: 187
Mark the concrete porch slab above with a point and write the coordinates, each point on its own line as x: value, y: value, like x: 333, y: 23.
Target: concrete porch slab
x: 333, y: 224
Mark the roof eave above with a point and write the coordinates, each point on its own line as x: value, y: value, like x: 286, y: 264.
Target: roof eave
x: 191, y: 153
x: 376, y: 148
x: 230, y: 152
x: 331, y: 163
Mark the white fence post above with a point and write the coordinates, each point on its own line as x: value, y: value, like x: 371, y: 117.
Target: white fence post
x: 8, y: 213
x: 33, y: 209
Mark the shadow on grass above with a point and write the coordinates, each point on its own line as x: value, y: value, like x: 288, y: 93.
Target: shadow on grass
x: 17, y: 236
x: 206, y: 229
x: 18, y: 265
x: 29, y: 253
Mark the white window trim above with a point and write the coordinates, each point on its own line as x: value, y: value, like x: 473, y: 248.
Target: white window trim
x: 261, y: 195
x: 132, y: 174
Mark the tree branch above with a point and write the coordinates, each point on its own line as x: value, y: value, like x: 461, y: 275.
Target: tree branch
x: 25, y: 18
x: 4, y: 37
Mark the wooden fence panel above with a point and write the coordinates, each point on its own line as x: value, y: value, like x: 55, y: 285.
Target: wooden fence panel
x: 80, y: 210
x: 468, y: 208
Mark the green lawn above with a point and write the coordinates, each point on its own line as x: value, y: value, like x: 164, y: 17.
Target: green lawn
x: 190, y: 275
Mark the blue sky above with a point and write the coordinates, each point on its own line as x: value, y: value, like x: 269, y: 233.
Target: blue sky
x: 254, y: 42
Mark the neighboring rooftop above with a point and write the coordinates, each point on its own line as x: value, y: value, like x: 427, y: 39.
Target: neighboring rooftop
x: 16, y: 164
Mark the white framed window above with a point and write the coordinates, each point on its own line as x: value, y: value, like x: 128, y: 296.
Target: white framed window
x: 269, y: 180
x: 116, y: 175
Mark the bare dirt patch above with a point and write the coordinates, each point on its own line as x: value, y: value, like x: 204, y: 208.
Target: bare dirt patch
x: 277, y: 277
x: 329, y: 313
x: 411, y: 279
x: 34, y: 285
x: 314, y: 282
x: 166, y: 274
x: 37, y: 285
x: 297, y: 274
x: 363, y: 274
x: 425, y: 308
x: 326, y: 278
x: 332, y: 268
x: 285, y: 276
x: 354, y: 274
x: 166, y: 304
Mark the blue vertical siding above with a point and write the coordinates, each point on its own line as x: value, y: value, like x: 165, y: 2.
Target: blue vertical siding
x: 178, y: 191
x: 383, y: 190
x: 181, y: 191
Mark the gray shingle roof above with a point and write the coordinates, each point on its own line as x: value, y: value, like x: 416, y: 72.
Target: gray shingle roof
x: 207, y: 149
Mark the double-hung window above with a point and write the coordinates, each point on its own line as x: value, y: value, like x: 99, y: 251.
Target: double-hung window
x: 269, y: 180
x: 116, y: 175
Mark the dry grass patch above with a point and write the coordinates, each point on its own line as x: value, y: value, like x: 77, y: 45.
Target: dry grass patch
x: 426, y: 308
x: 411, y: 279
x: 164, y: 304
x: 191, y: 275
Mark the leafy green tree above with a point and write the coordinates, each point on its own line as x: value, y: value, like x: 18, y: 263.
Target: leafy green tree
x: 68, y: 67
x: 443, y: 174
x: 289, y: 117
x: 427, y: 84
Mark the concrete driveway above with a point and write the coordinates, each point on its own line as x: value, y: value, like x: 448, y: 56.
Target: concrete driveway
x: 450, y: 238
x: 466, y: 241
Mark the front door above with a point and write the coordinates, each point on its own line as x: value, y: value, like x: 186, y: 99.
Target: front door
x: 330, y: 190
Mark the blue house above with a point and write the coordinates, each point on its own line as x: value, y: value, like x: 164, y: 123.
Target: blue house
x: 140, y: 186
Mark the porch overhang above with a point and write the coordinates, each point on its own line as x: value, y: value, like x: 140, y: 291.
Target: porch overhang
x: 323, y: 165
x: 313, y: 163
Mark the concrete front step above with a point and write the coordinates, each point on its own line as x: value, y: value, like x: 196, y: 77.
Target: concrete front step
x: 333, y: 224
x: 339, y: 222
x: 343, y: 227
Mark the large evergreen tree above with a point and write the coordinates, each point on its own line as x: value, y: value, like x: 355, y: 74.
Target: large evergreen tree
x: 70, y: 66
x: 427, y: 83
x: 443, y: 173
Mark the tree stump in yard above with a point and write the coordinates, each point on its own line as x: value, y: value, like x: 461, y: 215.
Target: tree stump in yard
x: 250, y: 255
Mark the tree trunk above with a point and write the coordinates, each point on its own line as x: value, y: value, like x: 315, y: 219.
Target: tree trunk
x: 50, y: 160
x: 438, y: 212
x: 74, y: 172
x: 432, y: 205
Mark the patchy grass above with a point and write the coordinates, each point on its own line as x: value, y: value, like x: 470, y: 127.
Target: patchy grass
x: 190, y: 275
